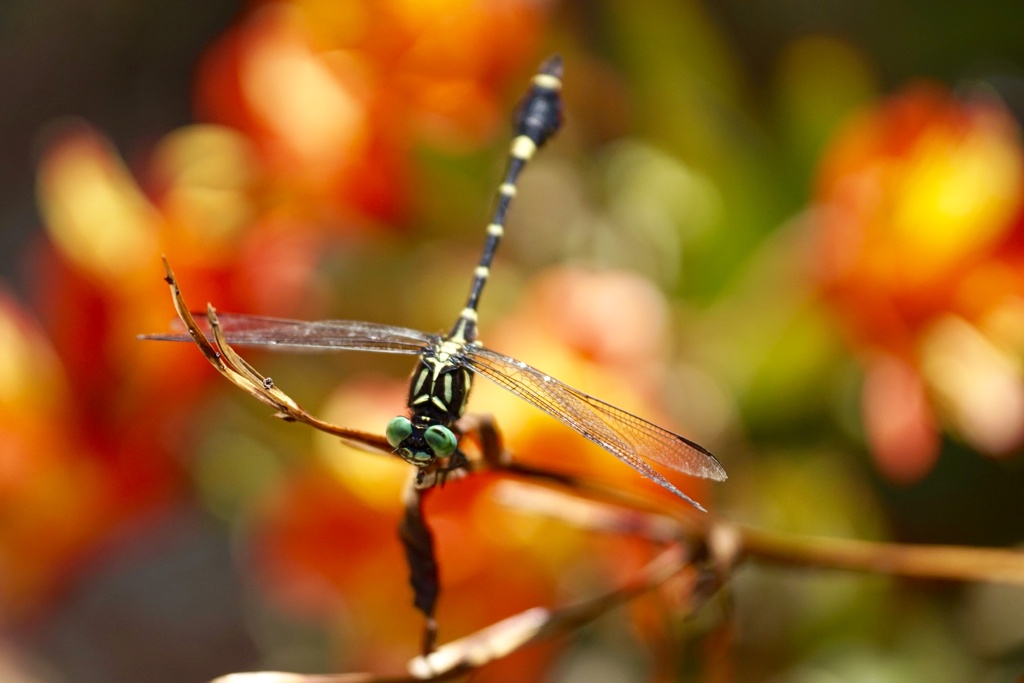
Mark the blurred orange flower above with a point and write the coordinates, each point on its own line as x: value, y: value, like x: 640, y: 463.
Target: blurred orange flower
x: 334, y: 94
x: 920, y: 234
x: 315, y: 107
x: 83, y: 450
x: 88, y: 440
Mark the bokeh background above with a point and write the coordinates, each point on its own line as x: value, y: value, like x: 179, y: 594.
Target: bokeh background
x: 792, y: 231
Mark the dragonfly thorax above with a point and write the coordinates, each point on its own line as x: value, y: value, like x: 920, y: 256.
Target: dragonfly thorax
x: 438, y: 391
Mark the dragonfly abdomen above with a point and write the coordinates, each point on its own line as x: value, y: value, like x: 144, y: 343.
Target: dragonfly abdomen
x: 538, y: 118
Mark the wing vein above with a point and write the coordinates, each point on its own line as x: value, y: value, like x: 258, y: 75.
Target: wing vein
x: 628, y: 437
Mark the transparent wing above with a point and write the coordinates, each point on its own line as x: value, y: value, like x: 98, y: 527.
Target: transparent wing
x: 298, y: 335
x: 628, y: 437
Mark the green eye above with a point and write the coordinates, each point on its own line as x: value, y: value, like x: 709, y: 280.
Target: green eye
x: 441, y: 440
x: 398, y: 431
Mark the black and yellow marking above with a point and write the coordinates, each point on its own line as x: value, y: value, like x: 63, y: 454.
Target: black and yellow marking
x: 440, y: 384
x: 539, y: 117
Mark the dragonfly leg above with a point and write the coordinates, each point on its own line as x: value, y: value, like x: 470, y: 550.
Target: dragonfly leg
x: 458, y: 462
x: 485, y: 430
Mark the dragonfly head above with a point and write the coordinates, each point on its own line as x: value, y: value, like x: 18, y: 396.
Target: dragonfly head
x: 417, y: 445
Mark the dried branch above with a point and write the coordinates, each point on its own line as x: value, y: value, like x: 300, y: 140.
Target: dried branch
x: 507, y: 636
x: 711, y: 545
x: 498, y: 640
x: 953, y: 563
x: 228, y: 363
x: 729, y: 543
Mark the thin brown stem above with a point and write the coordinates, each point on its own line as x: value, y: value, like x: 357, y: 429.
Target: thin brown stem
x: 954, y: 563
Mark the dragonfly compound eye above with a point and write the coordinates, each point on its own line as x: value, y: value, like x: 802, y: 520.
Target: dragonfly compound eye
x: 398, y: 431
x: 441, y: 440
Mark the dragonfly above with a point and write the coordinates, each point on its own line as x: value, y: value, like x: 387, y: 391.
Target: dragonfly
x: 441, y: 381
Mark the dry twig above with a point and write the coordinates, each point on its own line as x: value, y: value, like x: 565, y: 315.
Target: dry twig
x: 711, y: 545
